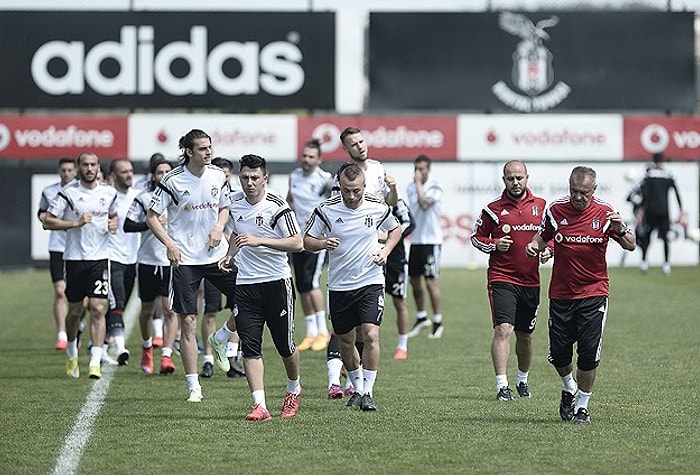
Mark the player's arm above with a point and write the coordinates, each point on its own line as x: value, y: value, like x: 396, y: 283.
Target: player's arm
x: 682, y: 220
x: 54, y: 223
x: 392, y: 196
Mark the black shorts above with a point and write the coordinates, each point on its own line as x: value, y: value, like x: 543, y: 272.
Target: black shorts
x: 212, y: 298
x: 424, y: 260
x: 154, y: 281
x: 577, y: 321
x: 122, y: 279
x: 514, y: 304
x: 87, y: 279
x: 396, y: 276
x: 270, y: 303
x: 56, y: 267
x: 660, y: 223
x: 351, y: 308
x: 308, y: 267
x: 186, y: 280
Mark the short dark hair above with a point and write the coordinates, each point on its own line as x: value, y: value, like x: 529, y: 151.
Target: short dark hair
x: 659, y: 157
x: 63, y: 160
x: 348, y: 131
x: 350, y: 170
x: 222, y: 162
x: 315, y: 144
x: 423, y: 158
x: 252, y: 161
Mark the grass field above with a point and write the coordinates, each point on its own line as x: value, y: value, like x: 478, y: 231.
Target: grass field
x: 437, y: 410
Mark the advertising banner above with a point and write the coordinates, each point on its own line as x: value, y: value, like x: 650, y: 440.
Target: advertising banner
x: 44, y: 136
x: 532, y: 62
x: 540, y: 137
x: 678, y: 138
x: 389, y: 137
x: 270, y: 136
x: 232, y: 61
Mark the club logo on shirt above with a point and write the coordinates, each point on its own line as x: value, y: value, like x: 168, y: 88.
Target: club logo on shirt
x: 214, y: 191
x: 258, y: 220
x: 369, y: 221
x: 535, y: 211
x: 103, y: 202
x: 595, y: 224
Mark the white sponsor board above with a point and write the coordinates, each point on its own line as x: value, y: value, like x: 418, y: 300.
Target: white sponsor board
x: 540, y: 137
x: 271, y: 136
x: 470, y: 186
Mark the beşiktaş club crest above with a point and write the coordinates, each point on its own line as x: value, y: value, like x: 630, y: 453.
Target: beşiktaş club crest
x: 532, y: 66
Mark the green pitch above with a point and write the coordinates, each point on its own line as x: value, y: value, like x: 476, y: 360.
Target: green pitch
x: 437, y: 410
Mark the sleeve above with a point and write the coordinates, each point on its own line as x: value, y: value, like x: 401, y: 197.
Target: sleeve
x: 481, y: 236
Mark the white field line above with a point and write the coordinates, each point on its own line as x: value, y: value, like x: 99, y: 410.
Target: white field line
x: 75, y: 442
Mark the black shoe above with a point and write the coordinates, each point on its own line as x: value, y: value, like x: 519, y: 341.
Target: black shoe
x: 354, y: 402
x: 566, y: 406
x: 367, y: 403
x: 207, y: 370
x: 523, y: 390
x: 236, y: 370
x: 505, y: 394
x: 582, y: 416
x: 123, y: 358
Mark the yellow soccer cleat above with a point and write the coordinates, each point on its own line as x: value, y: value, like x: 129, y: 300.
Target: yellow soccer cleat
x: 306, y: 343
x: 321, y: 342
x: 72, y: 368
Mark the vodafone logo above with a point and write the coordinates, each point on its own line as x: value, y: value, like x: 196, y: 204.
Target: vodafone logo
x: 382, y: 137
x: 654, y: 138
x: 329, y: 135
x: 5, y: 136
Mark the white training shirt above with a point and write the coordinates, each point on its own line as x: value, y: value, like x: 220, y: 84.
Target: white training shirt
x: 57, y: 238
x: 350, y: 265
x: 271, y: 217
x: 193, y: 205
x: 89, y: 242
x: 123, y: 246
x: 428, y: 228
x: 374, y: 180
x: 151, y: 252
x: 307, y: 191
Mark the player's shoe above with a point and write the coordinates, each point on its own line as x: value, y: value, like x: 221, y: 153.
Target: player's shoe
x: 436, y: 332
x: 195, y: 395
x: 290, y: 405
x: 666, y: 268
x: 644, y: 267
x: 158, y: 342
x: 349, y: 390
x: 400, y: 354
x: 306, y: 343
x: 321, y: 342
x: 505, y: 394
x: 354, y: 402
x: 72, y: 368
x: 123, y: 358
x: 259, y: 414
x: 237, y: 370
x: 566, y: 406
x: 367, y: 403
x: 523, y: 390
x: 61, y: 345
x: 108, y: 360
x: 335, y: 392
x: 147, y: 360
x: 207, y: 370
x: 94, y: 371
x: 582, y: 416
x: 166, y: 365
x: 420, y: 324
x: 219, y: 353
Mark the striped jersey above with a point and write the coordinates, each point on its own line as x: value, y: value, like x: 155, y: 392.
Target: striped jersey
x: 271, y: 217
x: 193, y: 204
x: 151, y: 251
x: 350, y: 265
x: 89, y: 242
x: 57, y: 238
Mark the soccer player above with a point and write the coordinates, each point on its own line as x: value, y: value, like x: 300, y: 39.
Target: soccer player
x: 502, y: 230
x: 581, y: 226
x: 87, y: 210
x: 264, y: 230
x: 57, y: 243
x: 196, y: 197
x: 153, y: 274
x: 425, y: 202
x: 347, y: 227
x: 654, y: 210
x: 123, y: 249
x: 309, y: 185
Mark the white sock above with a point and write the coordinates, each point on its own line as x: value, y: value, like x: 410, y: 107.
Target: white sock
x: 311, y: 327
x: 335, y: 366
x: 147, y: 343
x: 522, y: 376
x: 119, y: 340
x: 293, y: 386
x: 501, y: 381
x: 72, y: 348
x: 62, y: 336
x: 95, y: 355
x: 583, y: 398
x: 370, y: 375
x: 259, y: 398
x: 222, y: 334
x: 231, y: 349
x: 403, y: 342
x: 568, y: 383
x: 321, y: 322
x: 158, y: 327
x: 421, y: 314
x: 358, y: 380
x: 208, y: 359
x: 166, y: 352
x: 192, y: 381
x: 437, y: 318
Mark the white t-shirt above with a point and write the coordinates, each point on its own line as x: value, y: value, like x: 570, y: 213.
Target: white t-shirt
x: 89, y: 242
x: 57, y: 238
x: 151, y: 252
x: 193, y: 205
x: 428, y: 228
x: 374, y: 180
x: 271, y: 217
x: 350, y: 265
x: 123, y: 246
x: 307, y: 191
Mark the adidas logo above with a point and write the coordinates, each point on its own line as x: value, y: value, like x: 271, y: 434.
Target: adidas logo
x: 240, y: 218
x: 504, y: 212
x: 339, y: 220
x: 283, y: 313
x: 564, y: 222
